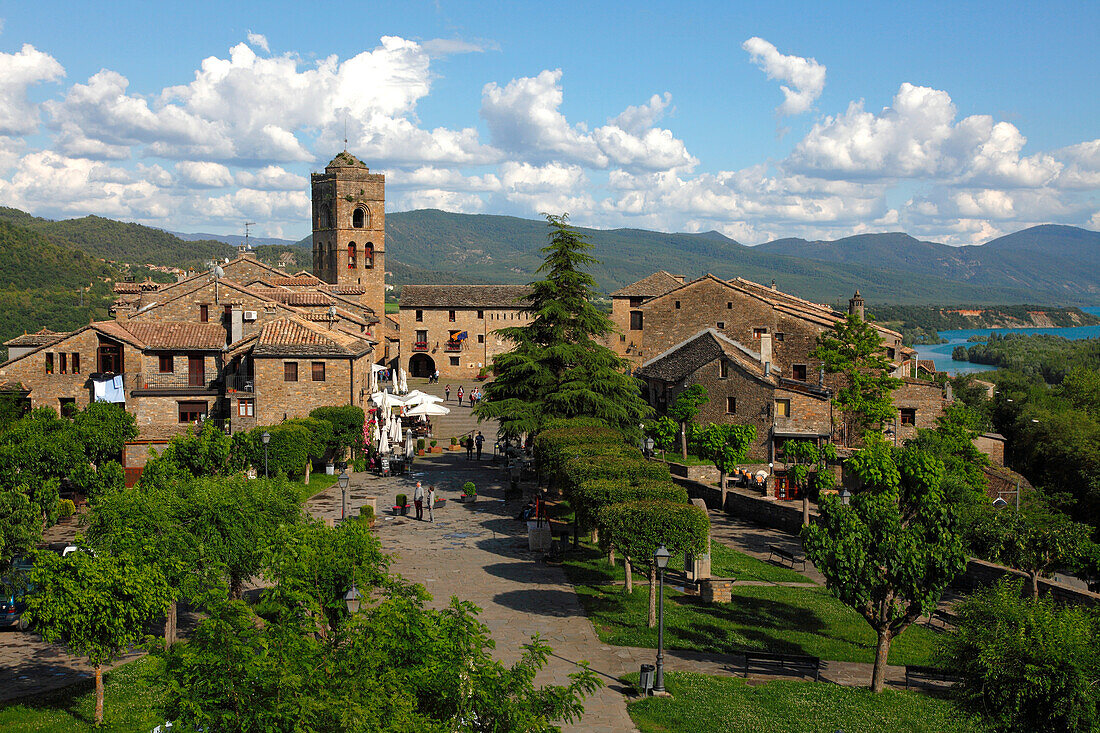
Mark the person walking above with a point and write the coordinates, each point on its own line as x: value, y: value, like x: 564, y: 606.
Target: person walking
x: 447, y: 393
x: 431, y: 502
x: 468, y: 441
x: 418, y: 501
x: 460, y: 395
x: 479, y: 441
x: 435, y: 377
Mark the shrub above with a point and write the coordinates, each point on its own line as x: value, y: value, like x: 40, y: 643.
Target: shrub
x: 454, y: 440
x: 628, y: 467
x: 359, y: 465
x: 347, y: 425
x: 433, y: 443
x: 469, y: 489
x: 366, y: 515
x: 66, y: 508
x: 288, y: 450
x: 420, y: 444
x: 559, y: 434
x: 638, y: 528
x: 590, y: 497
x: 402, y: 500
x: 320, y: 432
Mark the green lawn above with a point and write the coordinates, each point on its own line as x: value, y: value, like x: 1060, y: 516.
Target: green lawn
x: 318, y: 482
x: 129, y: 700
x: 705, y: 704
x: 727, y: 563
x: 763, y: 618
x: 693, y: 460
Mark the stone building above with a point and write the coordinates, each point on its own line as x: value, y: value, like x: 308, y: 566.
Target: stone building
x: 452, y: 327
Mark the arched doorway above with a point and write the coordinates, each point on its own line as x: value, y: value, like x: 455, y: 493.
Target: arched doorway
x: 421, y: 365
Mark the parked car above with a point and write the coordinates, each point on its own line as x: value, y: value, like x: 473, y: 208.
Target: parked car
x: 11, y: 600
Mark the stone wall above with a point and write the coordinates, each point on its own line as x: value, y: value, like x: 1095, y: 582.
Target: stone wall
x: 926, y: 398
x: 477, y: 350
x: 345, y: 383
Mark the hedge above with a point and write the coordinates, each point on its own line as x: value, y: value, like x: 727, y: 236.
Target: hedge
x: 638, y: 528
x: 320, y: 432
x: 288, y: 450
x: 627, y: 467
x: 590, y: 497
x: 549, y: 444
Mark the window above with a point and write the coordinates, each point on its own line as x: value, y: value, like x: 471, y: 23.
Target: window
x: 731, y: 405
x: 290, y: 371
x: 778, y: 336
x: 723, y: 369
x: 196, y: 371
x: 351, y: 255
x: 167, y: 365
x: 908, y: 416
x: 368, y: 255
x: 758, y: 332
x: 357, y: 218
x: 63, y: 363
x: 890, y: 353
x: 49, y: 363
x: 68, y: 406
x: 721, y: 325
x: 318, y: 371
x: 110, y: 358
x: 204, y: 313
x: 246, y: 408
x: 677, y: 305
x: 454, y: 361
x: 481, y: 315
x: 798, y: 371
x: 422, y: 336
x: 481, y: 338
x: 451, y: 316
x: 729, y: 305
x: 782, y: 408
x: 76, y: 363
x: 192, y: 411
x: 635, y: 320
x: 419, y: 316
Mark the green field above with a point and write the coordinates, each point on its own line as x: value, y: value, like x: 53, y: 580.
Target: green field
x: 705, y: 704
x: 763, y: 618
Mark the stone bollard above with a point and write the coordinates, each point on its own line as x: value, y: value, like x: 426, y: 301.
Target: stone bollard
x: 716, y: 590
x: 698, y: 566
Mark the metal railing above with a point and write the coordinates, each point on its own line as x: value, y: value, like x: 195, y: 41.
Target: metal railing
x: 420, y: 346
x: 175, y: 381
x: 453, y: 346
x: 240, y: 383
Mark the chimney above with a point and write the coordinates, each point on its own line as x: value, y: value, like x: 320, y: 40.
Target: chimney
x: 949, y: 393
x: 236, y: 324
x: 773, y: 284
x: 680, y: 278
x: 821, y: 376
x: 766, y: 351
x: 855, y: 306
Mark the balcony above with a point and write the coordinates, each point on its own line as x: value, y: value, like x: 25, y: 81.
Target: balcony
x: 174, y: 381
x: 240, y: 383
x: 420, y: 346
x: 453, y: 346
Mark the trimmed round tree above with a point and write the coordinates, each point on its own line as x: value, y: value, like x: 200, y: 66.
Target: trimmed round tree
x: 638, y: 528
x: 591, y: 497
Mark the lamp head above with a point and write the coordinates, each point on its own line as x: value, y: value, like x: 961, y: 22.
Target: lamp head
x: 344, y: 479
x: 352, y: 599
x: 999, y: 503
x: 661, y: 556
x: 266, y: 437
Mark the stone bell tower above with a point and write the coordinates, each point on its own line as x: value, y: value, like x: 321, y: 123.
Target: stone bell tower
x: 349, y: 228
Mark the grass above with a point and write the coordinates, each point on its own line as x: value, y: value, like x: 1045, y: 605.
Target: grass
x: 705, y: 704
x: 727, y: 563
x: 318, y: 482
x: 674, y: 456
x: 130, y: 698
x: 761, y: 618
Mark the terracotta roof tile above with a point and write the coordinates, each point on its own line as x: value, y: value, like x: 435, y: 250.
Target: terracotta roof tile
x: 292, y: 336
x: 295, y: 297
x: 463, y: 296
x: 38, y: 338
x: 656, y: 284
x: 177, y: 335
x: 296, y: 280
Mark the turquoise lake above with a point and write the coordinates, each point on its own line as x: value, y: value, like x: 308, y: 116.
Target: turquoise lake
x: 941, y: 353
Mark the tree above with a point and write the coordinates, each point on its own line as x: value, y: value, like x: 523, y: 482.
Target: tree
x: 854, y: 349
x: 638, y: 528
x: 104, y: 428
x: 1036, y: 540
x: 347, y: 426
x: 663, y: 430
x: 893, y: 551
x: 98, y: 606
x: 1025, y: 665
x: 395, y: 666
x: 20, y: 525
x: 559, y: 367
x: 684, y: 409
x: 207, y: 451
x: 726, y: 445
x: 952, y: 442
x: 808, y: 467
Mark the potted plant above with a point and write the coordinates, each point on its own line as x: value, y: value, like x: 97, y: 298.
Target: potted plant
x: 65, y: 511
x: 469, y: 492
x: 483, y: 374
x: 420, y: 446
x: 434, y: 448
x: 454, y: 443
x: 402, y: 505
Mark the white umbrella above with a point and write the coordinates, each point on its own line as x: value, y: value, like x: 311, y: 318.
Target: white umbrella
x: 416, y: 397
x: 395, y: 429
x: 427, y: 408
x: 404, y: 379
x: 373, y: 381
x: 383, y: 442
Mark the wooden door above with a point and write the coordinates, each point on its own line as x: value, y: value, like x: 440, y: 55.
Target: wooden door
x: 196, y: 371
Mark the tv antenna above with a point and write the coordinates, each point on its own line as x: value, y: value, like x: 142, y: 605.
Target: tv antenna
x: 246, y: 247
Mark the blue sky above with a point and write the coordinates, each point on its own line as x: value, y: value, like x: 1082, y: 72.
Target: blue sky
x: 953, y: 121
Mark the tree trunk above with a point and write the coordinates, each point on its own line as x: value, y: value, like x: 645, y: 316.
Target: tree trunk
x: 652, y: 595
x: 595, y: 536
x: 684, y: 441
x: 805, y: 509
x: 99, y: 695
x: 629, y: 587
x: 882, y: 653
x: 1034, y: 586
x: 611, y: 556
x: 170, y: 621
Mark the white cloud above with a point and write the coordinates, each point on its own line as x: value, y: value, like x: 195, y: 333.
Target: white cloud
x: 258, y: 40
x: 441, y: 47
x: 18, y: 71
x: 1082, y: 169
x: 636, y: 120
x: 204, y: 174
x: 272, y: 178
x: 805, y: 76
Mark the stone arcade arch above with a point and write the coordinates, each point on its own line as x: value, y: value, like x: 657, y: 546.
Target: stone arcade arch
x: 421, y: 365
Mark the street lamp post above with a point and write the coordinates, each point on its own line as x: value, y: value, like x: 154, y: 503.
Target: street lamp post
x: 343, y: 481
x: 352, y: 599
x: 266, y: 438
x: 661, y: 558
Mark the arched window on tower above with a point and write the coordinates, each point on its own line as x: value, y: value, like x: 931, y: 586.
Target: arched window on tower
x: 359, y: 218
x: 324, y: 217
x: 351, y: 255
x: 368, y: 255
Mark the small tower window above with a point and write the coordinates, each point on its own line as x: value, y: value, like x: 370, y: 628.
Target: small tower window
x: 358, y: 217
x: 351, y: 255
x: 368, y: 255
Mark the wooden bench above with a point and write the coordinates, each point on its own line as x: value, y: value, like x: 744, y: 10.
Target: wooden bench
x: 785, y: 554
x: 919, y: 673
x: 945, y: 618
x: 767, y: 663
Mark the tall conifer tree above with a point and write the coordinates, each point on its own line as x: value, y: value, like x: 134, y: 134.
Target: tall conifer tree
x: 559, y: 367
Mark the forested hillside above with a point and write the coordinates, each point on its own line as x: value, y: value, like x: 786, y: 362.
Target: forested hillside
x: 920, y: 324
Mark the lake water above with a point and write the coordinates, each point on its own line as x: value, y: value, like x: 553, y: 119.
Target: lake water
x: 941, y: 353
